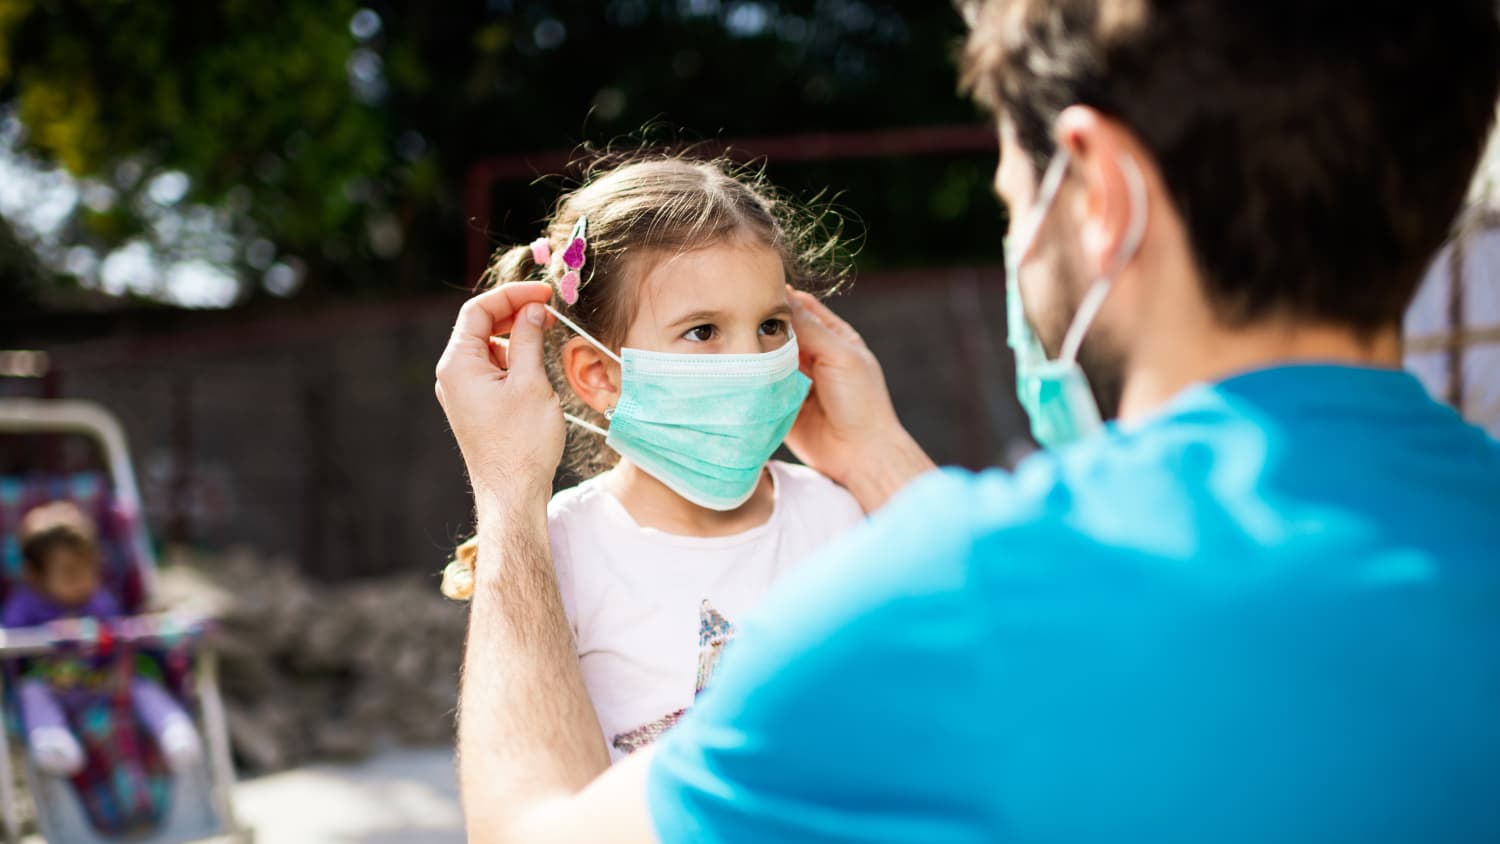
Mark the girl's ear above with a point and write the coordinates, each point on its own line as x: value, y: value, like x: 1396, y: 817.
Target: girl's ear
x: 592, y: 376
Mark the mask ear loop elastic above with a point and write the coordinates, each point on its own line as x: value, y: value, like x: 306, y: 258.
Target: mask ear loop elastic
x: 584, y: 334
x: 1025, y: 239
x: 1046, y: 195
x: 1093, y: 301
x: 584, y: 423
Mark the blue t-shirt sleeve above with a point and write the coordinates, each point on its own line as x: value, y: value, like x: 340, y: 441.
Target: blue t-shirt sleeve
x: 843, y: 710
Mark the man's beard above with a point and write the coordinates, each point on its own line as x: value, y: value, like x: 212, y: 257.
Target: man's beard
x: 1101, y: 361
x: 1105, y: 369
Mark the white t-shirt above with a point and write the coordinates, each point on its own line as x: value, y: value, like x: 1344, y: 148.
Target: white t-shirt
x: 651, y: 610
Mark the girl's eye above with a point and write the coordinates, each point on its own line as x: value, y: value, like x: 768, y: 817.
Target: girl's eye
x: 773, y: 328
x: 700, y: 333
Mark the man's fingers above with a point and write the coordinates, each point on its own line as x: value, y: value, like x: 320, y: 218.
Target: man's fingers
x: 822, y: 336
x: 493, y: 312
x: 814, y: 313
x: 481, y: 318
x: 812, y: 332
x: 524, y: 350
x: 500, y: 352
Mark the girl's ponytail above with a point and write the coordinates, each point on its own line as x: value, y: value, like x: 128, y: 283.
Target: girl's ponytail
x: 514, y: 264
x: 458, y: 577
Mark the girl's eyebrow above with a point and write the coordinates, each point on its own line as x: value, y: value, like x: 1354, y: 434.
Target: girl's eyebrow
x: 717, y: 316
x: 697, y: 316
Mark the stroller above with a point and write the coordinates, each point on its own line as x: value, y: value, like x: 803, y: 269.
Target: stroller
x: 166, y: 807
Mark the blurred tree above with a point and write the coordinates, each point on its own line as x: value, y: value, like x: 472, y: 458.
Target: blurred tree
x: 326, y: 140
x: 243, y: 109
x: 22, y: 275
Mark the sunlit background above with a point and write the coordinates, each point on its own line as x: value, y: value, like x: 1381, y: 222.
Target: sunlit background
x: 243, y: 229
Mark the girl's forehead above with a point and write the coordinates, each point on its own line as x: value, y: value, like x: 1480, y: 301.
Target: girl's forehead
x: 724, y: 276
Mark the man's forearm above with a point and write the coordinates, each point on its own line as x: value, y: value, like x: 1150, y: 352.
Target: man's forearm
x: 527, y: 731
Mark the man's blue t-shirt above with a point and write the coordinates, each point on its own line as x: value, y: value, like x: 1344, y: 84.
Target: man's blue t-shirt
x: 1270, y: 614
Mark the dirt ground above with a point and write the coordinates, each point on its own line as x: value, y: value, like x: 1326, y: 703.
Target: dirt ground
x: 398, y: 796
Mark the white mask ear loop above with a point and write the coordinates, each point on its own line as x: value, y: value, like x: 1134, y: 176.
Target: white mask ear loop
x: 584, y: 423
x: 1046, y: 195
x: 1135, y: 233
x: 584, y: 334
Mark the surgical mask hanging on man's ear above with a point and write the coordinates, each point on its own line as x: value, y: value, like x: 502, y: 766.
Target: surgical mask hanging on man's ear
x: 1055, y: 393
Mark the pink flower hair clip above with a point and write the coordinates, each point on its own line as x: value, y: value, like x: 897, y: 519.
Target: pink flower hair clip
x: 574, y: 257
x: 541, y: 251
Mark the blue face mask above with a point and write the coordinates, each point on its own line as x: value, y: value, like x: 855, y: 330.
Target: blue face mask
x: 704, y: 425
x: 1055, y: 393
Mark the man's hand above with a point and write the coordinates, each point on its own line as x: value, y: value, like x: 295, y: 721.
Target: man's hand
x: 848, y: 428
x: 497, y: 397
x: 529, y: 741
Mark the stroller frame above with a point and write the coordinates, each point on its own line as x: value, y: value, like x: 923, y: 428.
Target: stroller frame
x: 89, y: 419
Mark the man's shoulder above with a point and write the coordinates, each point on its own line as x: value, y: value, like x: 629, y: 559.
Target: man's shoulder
x: 951, y: 509
x: 1120, y: 498
x: 919, y: 548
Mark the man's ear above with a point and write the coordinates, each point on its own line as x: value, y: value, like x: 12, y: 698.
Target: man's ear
x: 592, y: 376
x: 1105, y: 213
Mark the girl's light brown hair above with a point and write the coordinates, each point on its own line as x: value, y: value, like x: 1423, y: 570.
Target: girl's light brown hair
x: 640, y: 206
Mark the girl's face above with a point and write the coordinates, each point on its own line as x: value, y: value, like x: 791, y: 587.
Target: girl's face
x: 729, y: 298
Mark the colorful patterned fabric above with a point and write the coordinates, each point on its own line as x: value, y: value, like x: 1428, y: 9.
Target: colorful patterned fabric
x: 714, y: 632
x: 124, y: 783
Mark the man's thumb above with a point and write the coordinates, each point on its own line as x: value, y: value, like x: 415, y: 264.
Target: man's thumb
x: 527, y: 344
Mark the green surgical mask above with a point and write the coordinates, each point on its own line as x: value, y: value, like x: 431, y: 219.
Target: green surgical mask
x: 704, y: 425
x: 1055, y: 393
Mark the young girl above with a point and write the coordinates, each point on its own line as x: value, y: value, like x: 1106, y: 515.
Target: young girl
x: 675, y: 359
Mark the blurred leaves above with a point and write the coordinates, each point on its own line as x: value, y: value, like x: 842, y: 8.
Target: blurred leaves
x: 21, y: 274
x: 251, y: 101
x: 339, y: 137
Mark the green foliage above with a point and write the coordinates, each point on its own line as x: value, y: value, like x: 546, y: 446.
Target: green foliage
x: 250, y: 100
x: 349, y: 148
x: 21, y: 274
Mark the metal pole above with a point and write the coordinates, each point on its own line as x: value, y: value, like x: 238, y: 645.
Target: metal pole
x: 216, y: 728
x: 8, y: 787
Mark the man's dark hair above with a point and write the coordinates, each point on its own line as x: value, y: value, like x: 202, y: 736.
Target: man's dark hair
x: 1318, y: 150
